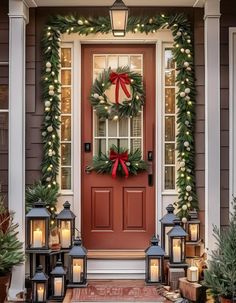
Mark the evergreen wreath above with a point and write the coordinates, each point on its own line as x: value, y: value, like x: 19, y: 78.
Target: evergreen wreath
x: 119, y: 109
x: 183, y: 56
x: 119, y: 162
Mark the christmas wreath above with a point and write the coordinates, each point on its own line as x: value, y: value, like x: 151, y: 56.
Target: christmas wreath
x: 123, y: 79
x: 119, y: 162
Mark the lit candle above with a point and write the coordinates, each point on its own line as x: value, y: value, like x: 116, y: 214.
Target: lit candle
x: 193, y: 232
x: 57, y: 287
x: 40, y: 292
x: 192, y: 274
x: 65, y: 237
x: 38, y: 238
x: 154, y: 273
x: 76, y: 273
x: 176, y: 251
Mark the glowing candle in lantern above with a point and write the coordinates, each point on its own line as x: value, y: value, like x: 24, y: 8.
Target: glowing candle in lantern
x: 57, y: 287
x: 38, y: 238
x: 76, y: 273
x: 193, y: 228
x: 154, y: 273
x: 40, y: 292
x: 176, y: 251
x: 65, y: 237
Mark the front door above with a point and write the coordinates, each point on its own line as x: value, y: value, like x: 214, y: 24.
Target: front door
x: 118, y: 213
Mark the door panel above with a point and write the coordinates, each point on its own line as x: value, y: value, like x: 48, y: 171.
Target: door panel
x: 117, y: 213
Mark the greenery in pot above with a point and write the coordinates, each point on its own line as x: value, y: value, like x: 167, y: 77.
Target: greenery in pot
x: 11, y: 252
x: 220, y: 277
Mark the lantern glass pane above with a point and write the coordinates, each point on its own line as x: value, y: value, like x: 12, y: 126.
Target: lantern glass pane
x: 65, y: 233
x: 77, y: 270
x: 193, y: 231
x: 37, y: 233
x: 58, y: 287
x: 118, y: 19
x: 154, y: 270
x: 167, y: 229
x: 177, y: 248
x: 40, y: 292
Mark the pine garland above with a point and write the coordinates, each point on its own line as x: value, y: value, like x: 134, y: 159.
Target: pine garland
x: 183, y: 56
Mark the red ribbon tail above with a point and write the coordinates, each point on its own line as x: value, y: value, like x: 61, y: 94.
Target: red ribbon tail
x: 114, y: 169
x: 117, y: 90
x: 125, y: 169
x: 125, y: 89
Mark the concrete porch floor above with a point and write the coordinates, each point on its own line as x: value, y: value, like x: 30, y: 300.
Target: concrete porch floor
x: 114, y: 291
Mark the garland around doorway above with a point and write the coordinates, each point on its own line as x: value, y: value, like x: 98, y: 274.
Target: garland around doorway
x: 185, y: 96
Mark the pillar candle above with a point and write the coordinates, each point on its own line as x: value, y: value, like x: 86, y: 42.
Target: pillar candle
x: 38, y: 238
x: 154, y: 273
x: 192, y: 274
x: 76, y: 273
x: 40, y: 292
x: 65, y: 238
x: 176, y: 252
x: 193, y: 232
x: 57, y: 287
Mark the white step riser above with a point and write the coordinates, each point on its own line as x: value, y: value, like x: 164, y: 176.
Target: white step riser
x: 116, y: 269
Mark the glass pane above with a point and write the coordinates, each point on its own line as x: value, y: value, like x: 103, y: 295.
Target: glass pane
x: 124, y: 143
x: 100, y: 126
x: 97, y: 73
x: 111, y: 142
x: 38, y: 233
x: 66, y: 57
x: 3, y: 132
x: 65, y: 100
x: 100, y: 146
x: 169, y: 128
x: 112, y: 128
x: 169, y: 100
x: 66, y: 77
x: 135, y: 62
x: 123, y: 61
x: 3, y: 96
x: 99, y: 62
x: 123, y: 127
x: 170, y: 177
x: 65, y: 128
x: 169, y: 60
x: 65, y: 178
x: 169, y: 153
x: 135, y: 144
x: 136, y: 126
x: 113, y: 62
x: 170, y: 78
x: 66, y: 154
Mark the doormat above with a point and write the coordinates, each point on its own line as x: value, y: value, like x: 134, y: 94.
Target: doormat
x: 117, y: 291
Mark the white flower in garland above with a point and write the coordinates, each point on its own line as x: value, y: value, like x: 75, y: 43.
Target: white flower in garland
x: 188, y: 188
x: 47, y: 103
x: 187, y: 123
x: 44, y: 134
x: 184, y: 220
x: 187, y: 98
x: 182, y: 50
x: 51, y: 92
x: 186, y: 143
x: 186, y: 64
x: 182, y: 94
x: 51, y: 87
x: 48, y: 69
x: 187, y: 51
x: 182, y: 164
x: 189, y: 205
x: 188, y: 148
x: 182, y: 168
x: 50, y: 152
x: 50, y: 128
x: 80, y: 22
x: 48, y: 64
x: 178, y: 34
x: 190, y: 198
x: 96, y: 96
x: 184, y: 207
x: 187, y: 90
x: 47, y: 118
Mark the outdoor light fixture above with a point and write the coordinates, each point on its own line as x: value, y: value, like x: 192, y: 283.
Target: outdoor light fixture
x: 37, y: 227
x: 154, y: 262
x: 177, y: 236
x: 167, y: 223
x: 58, y: 282
x: 119, y: 18
x: 66, y: 225
x: 193, y: 227
x: 78, y: 265
x: 39, y: 286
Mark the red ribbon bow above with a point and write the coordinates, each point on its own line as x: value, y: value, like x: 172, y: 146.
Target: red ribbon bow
x: 120, y: 80
x: 119, y: 158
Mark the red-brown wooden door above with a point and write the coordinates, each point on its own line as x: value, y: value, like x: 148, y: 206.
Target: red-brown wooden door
x: 118, y: 213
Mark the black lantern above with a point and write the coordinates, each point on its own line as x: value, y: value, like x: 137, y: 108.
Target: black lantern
x: 177, y: 236
x: 167, y: 223
x: 58, y: 282
x: 78, y: 265
x: 37, y: 227
x: 66, y: 225
x: 119, y: 18
x: 39, y: 286
x: 193, y: 227
x: 154, y: 262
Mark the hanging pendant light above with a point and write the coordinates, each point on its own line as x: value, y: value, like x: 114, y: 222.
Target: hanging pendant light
x: 119, y: 18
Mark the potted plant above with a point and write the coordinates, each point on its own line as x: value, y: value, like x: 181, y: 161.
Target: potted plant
x: 220, y: 277
x: 11, y: 252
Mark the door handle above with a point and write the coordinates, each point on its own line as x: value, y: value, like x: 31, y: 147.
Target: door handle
x: 150, y: 168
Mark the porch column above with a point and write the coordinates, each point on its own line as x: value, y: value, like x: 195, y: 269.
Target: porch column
x: 18, y: 16
x: 212, y: 119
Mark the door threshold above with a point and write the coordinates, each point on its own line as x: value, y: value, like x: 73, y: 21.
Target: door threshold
x: 137, y: 254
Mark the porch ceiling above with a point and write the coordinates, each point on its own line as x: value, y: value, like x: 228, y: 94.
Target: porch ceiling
x: 173, y: 3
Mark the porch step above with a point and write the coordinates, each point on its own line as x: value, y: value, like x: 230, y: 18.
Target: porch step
x: 116, y: 264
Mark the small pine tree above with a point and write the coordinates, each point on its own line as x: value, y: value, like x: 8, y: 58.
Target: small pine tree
x: 221, y: 275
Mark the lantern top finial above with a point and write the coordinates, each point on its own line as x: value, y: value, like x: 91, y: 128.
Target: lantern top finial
x: 78, y: 249
x: 40, y: 276
x: 177, y: 230
x: 58, y: 269
x: 170, y: 209
x: 39, y: 204
x: 169, y: 217
x: 155, y: 240
x: 154, y: 249
x: 66, y: 213
x: 66, y: 205
x: 119, y: 4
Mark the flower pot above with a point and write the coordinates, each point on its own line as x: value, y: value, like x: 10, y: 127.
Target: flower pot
x: 225, y: 300
x: 4, y: 284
